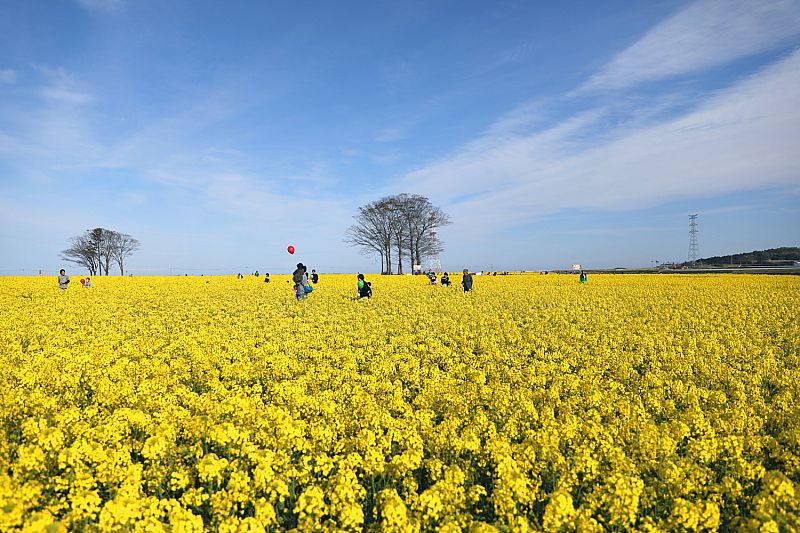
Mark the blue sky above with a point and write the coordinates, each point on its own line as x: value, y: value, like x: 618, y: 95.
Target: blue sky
x: 218, y: 133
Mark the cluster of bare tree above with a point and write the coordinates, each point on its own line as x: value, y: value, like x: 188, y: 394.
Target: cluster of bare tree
x: 98, y: 247
x: 398, y: 227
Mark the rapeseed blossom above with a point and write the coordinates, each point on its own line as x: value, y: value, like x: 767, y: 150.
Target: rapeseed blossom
x: 532, y: 403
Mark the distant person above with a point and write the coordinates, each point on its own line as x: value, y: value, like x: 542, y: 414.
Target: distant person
x: 364, y: 287
x: 583, y: 277
x: 239, y: 276
x: 445, y: 280
x: 88, y: 283
x: 63, y: 279
x: 298, y: 277
x: 314, y: 276
x: 466, y: 281
x: 266, y: 278
x: 433, y: 278
x: 256, y: 274
x: 306, y: 286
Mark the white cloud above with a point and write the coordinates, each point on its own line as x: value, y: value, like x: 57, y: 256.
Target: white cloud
x: 63, y: 87
x: 8, y: 76
x: 705, y: 34
x: 61, y: 95
x: 739, y: 139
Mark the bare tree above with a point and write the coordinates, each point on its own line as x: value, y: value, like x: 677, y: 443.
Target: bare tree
x: 395, y: 208
x: 83, y: 252
x: 122, y: 246
x: 96, y: 248
x: 403, y: 225
x: 103, y: 241
x: 426, y: 219
x: 372, y: 233
x: 421, y: 219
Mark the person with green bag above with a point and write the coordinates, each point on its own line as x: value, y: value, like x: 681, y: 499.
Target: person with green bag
x: 364, y: 287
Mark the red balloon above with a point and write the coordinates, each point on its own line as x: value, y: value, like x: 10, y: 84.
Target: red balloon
x: 290, y: 249
x: 83, y: 281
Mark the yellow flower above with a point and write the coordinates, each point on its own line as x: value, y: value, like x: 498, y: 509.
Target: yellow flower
x: 653, y: 403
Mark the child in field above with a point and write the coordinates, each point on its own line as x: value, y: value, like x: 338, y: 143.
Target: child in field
x: 445, y: 280
x: 266, y: 278
x: 364, y: 287
x: 87, y: 284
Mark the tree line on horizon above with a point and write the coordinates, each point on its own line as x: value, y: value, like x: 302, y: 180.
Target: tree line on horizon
x: 398, y: 227
x: 782, y: 255
x: 97, y: 248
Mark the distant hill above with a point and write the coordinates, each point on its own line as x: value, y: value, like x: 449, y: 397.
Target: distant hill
x: 773, y: 256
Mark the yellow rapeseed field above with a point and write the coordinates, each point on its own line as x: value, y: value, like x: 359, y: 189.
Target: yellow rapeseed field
x: 636, y: 402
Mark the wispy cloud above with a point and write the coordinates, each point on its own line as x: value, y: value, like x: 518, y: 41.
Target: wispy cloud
x: 63, y: 87
x: 738, y: 139
x: 53, y: 129
x: 8, y: 76
x: 61, y: 95
x: 705, y: 34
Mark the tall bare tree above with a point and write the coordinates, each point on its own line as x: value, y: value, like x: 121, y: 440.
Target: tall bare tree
x: 372, y: 233
x: 421, y: 218
x: 123, y: 245
x: 395, y: 208
x: 398, y: 226
x: 82, y: 252
x: 96, y: 249
x: 102, y: 240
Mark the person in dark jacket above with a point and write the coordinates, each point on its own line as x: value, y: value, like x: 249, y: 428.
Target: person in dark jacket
x: 314, y: 276
x: 63, y: 279
x: 466, y: 281
x: 364, y: 287
x: 298, y: 277
x: 445, y: 280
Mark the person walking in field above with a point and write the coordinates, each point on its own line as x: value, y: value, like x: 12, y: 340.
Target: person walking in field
x: 266, y: 278
x: 63, y: 279
x: 298, y: 277
x: 584, y: 277
x: 466, y: 281
x: 314, y: 276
